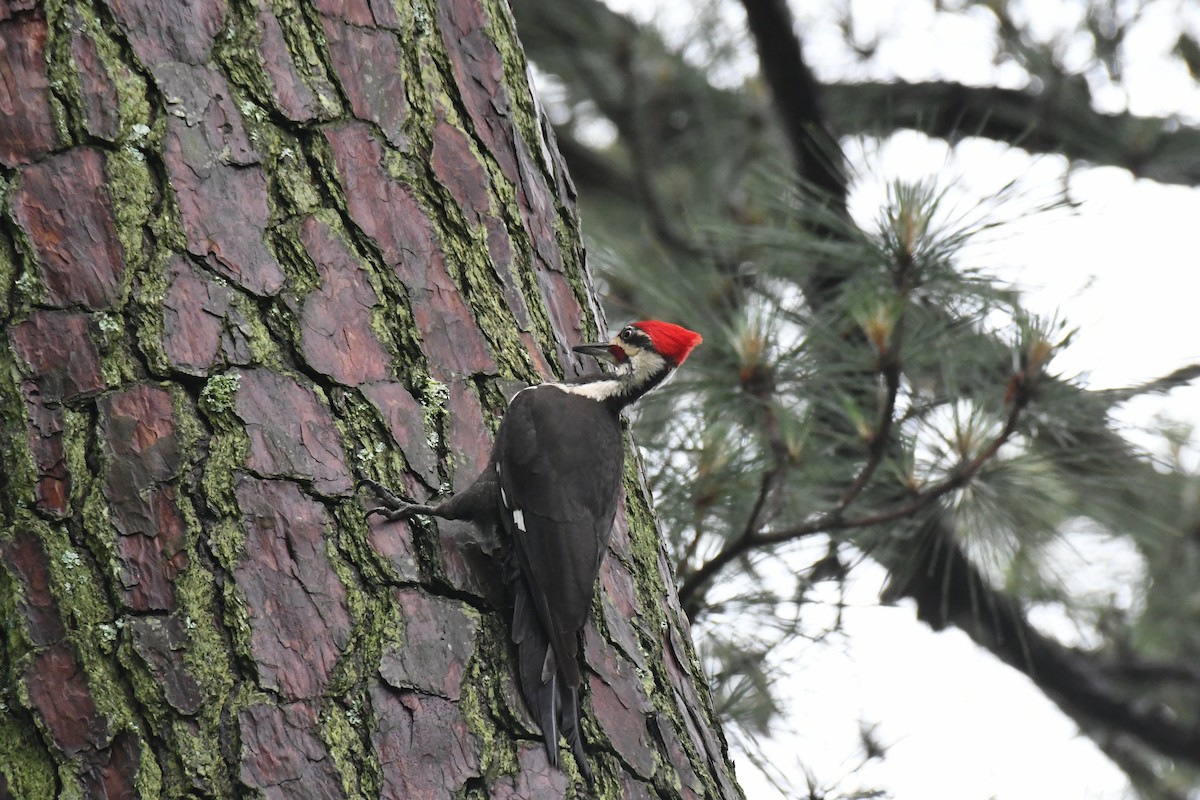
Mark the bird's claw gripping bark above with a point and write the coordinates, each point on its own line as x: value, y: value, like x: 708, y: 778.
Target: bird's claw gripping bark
x: 391, y: 507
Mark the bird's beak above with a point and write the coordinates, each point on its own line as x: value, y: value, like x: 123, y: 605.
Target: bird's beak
x: 601, y: 350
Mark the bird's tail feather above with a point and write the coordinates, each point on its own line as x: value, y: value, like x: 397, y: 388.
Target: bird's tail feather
x: 570, y: 729
x: 550, y: 697
x: 536, y: 669
x: 548, y: 701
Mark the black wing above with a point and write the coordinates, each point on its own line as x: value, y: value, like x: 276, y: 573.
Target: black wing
x: 560, y: 463
x: 559, y: 460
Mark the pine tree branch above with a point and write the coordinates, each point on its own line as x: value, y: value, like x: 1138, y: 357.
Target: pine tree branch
x: 1173, y: 380
x: 1153, y: 672
x: 694, y: 584
x: 1061, y: 121
x: 948, y: 588
x: 796, y: 93
x: 834, y: 519
x: 1134, y: 760
x: 691, y: 591
x: 690, y: 598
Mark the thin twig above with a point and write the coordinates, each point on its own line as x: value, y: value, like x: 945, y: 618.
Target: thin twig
x: 879, y: 439
x: 693, y: 580
x: 834, y: 519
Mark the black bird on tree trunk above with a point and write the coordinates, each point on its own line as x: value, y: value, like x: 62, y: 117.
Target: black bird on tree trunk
x: 552, y: 486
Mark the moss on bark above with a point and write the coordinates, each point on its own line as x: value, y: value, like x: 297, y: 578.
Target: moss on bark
x: 180, y: 685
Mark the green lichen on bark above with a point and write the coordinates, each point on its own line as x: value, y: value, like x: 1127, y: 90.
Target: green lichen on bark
x: 290, y: 189
x: 208, y: 658
x: 166, y: 224
x: 28, y: 286
x: 78, y: 587
x: 367, y: 439
x: 8, y: 259
x: 24, y: 762
x: 75, y: 576
x: 131, y: 189
x: 420, y: 58
x: 63, y: 79
x: 86, y: 485
x: 344, y: 728
x: 145, y: 312
x: 303, y: 277
x: 462, y: 242
x: 67, y: 123
x: 20, y: 471
x: 228, y: 446
x: 523, y: 113
x: 574, y: 263
x: 265, y: 351
x: 67, y: 19
x: 236, y: 619
x: 645, y: 554
x: 193, y: 753
x: 217, y: 396
x: 227, y: 542
x: 148, y: 781
x: 344, y: 722
x: 238, y: 51
x: 151, y: 700
x: 198, y: 750
x: 210, y: 661
x: 373, y: 613
x: 347, y: 720
x: 305, y: 41
x: 353, y: 537
x: 360, y: 604
x: 290, y: 176
x: 392, y: 319
x: 118, y: 365
x: 502, y: 31
x: 483, y: 292
x: 477, y: 704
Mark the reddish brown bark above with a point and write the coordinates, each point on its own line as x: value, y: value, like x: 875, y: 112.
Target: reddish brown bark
x: 26, y: 124
x: 254, y: 256
x: 64, y: 208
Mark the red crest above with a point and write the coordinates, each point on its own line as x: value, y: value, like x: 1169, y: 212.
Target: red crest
x: 671, y: 341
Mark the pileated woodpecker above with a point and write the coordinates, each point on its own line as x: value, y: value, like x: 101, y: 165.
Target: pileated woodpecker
x: 552, y: 487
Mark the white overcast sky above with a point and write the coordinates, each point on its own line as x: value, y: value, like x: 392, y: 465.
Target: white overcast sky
x: 1123, y: 269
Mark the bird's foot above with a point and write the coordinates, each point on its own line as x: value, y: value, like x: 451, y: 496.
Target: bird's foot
x: 390, y: 507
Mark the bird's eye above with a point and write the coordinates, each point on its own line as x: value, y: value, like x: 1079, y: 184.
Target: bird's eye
x: 627, y: 335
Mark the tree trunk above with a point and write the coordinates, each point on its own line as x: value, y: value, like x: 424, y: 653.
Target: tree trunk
x: 253, y: 252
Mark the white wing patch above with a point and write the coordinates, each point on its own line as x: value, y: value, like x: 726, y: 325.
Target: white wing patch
x: 503, y: 496
x: 519, y: 519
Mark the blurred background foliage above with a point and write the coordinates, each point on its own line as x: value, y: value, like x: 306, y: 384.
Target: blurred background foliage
x: 869, y: 391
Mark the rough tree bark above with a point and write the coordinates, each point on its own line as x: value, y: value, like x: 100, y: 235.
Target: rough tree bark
x: 252, y: 251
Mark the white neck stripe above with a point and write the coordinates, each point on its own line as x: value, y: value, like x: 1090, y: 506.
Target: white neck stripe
x: 630, y: 379
x: 596, y: 390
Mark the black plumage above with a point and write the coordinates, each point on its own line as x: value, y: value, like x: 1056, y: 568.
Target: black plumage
x: 558, y: 531
x: 551, y: 487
